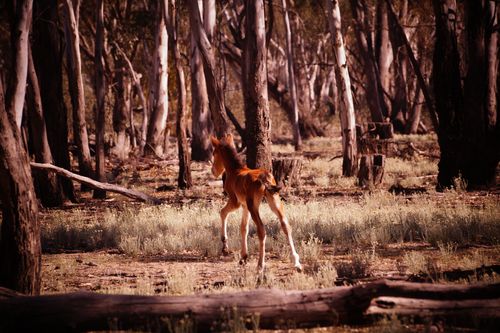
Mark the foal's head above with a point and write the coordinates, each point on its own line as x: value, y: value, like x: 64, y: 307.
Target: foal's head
x: 225, y: 155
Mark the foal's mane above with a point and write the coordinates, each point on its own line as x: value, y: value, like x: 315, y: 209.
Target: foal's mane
x: 232, y: 156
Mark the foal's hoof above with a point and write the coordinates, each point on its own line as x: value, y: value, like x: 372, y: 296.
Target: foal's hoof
x: 225, y: 252
x: 243, y: 260
x: 299, y: 268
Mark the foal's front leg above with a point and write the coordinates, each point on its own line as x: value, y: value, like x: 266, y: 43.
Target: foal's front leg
x: 228, y: 208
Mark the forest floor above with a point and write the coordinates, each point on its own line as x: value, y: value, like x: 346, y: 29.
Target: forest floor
x: 344, y: 234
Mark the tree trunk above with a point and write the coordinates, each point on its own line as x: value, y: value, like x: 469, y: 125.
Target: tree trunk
x: 121, y: 108
x: 184, y: 179
x: 297, y: 140
x: 256, y: 309
x: 20, y: 249
x: 100, y: 90
x: 492, y: 43
x: 19, y: 32
x: 400, y: 99
x: 374, y: 93
x: 257, y: 120
x: 48, y: 186
x: 202, y: 128
x: 138, y: 88
x: 76, y: 88
x: 47, y: 55
x: 214, y: 87
x: 347, y: 117
x: 415, y: 65
x: 384, y: 54
x: 159, y: 106
x: 469, y: 147
x: 481, y: 154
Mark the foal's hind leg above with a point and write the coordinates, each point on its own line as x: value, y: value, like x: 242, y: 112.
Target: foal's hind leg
x: 277, y: 208
x: 231, y: 206
x: 244, y: 235
x: 253, y: 207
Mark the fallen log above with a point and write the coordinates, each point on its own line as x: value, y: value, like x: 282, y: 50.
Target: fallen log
x: 95, y: 184
x: 270, y: 308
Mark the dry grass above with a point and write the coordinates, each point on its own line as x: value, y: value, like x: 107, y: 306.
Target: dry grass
x: 375, y: 220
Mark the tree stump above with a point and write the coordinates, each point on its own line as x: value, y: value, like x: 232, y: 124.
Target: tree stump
x: 378, y: 168
x: 385, y: 130
x: 286, y: 171
x: 365, y: 171
x: 380, y: 130
x: 371, y: 170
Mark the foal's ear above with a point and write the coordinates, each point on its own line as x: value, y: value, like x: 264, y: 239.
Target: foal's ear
x: 215, y: 141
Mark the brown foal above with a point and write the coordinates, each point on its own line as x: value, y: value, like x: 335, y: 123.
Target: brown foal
x: 246, y: 188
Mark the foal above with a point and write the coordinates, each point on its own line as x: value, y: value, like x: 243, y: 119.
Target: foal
x: 246, y: 187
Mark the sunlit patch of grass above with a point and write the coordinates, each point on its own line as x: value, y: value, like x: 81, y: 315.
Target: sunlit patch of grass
x: 380, y: 218
x: 410, y: 168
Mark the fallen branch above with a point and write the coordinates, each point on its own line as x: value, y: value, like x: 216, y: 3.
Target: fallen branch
x: 95, y: 184
x: 271, y: 308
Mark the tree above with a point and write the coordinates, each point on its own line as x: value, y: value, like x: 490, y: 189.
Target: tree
x: 47, y: 56
x: 202, y: 127
x: 159, y: 91
x: 20, y: 249
x: 257, y: 120
x: 100, y: 90
x: 47, y: 184
x: 374, y: 92
x: 75, y: 83
x: 184, y: 178
x: 297, y: 140
x: 214, y: 87
x: 347, y: 117
x: 468, y: 135
x: 20, y: 29
x: 383, y: 51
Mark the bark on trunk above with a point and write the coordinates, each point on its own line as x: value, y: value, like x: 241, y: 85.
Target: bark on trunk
x: 159, y: 106
x: 19, y: 31
x: 76, y: 88
x: 100, y: 90
x: 374, y: 93
x: 400, y: 99
x: 184, y: 179
x: 416, y: 67
x: 257, y: 120
x: 347, y: 117
x: 202, y: 128
x: 20, y: 249
x: 214, y: 87
x: 47, y: 185
x: 481, y: 154
x: 297, y: 140
x: 468, y: 147
x: 257, y: 309
x: 493, y: 45
x: 121, y: 109
x: 309, y: 126
x: 47, y: 56
x: 384, y: 54
x: 138, y: 88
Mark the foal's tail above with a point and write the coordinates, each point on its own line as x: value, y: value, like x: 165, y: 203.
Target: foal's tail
x: 267, y: 179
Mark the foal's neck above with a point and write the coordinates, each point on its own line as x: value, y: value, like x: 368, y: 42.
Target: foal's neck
x: 231, y: 160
